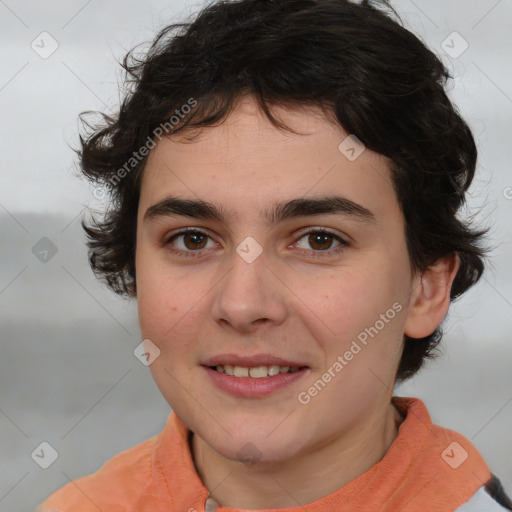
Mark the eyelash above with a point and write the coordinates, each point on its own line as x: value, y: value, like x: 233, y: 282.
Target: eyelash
x: 313, y: 253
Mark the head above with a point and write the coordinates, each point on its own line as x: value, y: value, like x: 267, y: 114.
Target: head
x: 258, y: 103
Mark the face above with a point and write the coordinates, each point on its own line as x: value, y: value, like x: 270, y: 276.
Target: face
x: 322, y: 285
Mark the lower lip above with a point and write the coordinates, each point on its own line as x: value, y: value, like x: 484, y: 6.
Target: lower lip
x: 249, y: 387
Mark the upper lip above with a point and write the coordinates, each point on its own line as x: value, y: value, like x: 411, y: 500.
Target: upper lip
x: 251, y: 361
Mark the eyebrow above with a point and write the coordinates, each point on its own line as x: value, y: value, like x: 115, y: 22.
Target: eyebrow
x: 295, y: 208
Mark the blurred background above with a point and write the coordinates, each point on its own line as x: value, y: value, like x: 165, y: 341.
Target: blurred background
x: 68, y: 374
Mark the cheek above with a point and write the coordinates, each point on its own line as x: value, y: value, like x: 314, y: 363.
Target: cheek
x: 356, y: 297
x: 170, y: 306
x: 162, y: 309
x: 158, y: 297
x: 365, y: 314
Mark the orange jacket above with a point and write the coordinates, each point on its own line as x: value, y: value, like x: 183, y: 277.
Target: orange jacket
x: 426, y: 468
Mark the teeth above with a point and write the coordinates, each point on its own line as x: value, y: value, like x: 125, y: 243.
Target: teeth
x: 256, y: 372
x: 240, y: 371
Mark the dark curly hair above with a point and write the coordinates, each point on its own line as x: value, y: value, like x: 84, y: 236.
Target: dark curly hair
x: 354, y: 60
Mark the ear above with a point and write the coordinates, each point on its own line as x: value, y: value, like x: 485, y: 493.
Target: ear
x: 430, y: 297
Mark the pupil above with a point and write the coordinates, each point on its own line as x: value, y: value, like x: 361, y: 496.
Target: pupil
x: 317, y: 237
x: 196, y: 239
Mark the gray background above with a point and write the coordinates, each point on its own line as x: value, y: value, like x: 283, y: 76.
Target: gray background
x: 68, y: 375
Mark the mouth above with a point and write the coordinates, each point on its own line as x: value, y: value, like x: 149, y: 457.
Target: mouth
x: 253, y: 377
x: 255, y: 372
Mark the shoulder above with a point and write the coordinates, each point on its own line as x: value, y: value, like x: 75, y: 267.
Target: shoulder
x: 115, y: 486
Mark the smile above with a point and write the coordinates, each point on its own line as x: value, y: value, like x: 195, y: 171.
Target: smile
x: 255, y: 372
x: 255, y: 381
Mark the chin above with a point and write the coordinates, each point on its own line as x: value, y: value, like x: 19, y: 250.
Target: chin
x: 252, y: 445
x: 254, y: 452
x: 263, y: 435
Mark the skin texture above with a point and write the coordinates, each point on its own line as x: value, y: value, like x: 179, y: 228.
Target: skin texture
x: 287, y: 302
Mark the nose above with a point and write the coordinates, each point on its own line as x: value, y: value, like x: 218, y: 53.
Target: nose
x: 250, y: 295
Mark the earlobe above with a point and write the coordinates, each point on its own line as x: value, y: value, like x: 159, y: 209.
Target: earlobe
x: 430, y: 297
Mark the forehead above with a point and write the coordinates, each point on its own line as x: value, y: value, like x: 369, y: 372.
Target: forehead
x: 246, y: 163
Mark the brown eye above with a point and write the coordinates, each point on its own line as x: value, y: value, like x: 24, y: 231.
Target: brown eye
x: 194, y: 240
x: 188, y: 241
x: 320, y: 240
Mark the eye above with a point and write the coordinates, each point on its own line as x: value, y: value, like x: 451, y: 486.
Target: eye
x: 321, y: 241
x: 192, y: 240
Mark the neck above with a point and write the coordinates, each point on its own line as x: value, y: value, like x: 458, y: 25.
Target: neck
x: 303, y: 479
